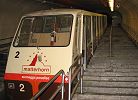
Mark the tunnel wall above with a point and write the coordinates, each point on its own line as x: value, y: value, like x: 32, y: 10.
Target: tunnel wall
x: 129, y: 14
x: 11, y: 12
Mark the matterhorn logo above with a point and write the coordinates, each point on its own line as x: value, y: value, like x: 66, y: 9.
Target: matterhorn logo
x: 36, y: 66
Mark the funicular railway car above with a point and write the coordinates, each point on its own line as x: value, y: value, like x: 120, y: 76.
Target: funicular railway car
x: 46, y: 42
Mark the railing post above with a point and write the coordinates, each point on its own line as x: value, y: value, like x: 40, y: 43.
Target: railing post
x: 80, y: 71
x: 62, y: 90
x: 70, y: 71
x: 81, y: 75
x: 110, y: 51
x: 81, y: 78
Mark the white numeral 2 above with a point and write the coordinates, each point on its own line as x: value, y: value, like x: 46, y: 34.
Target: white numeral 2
x: 21, y: 88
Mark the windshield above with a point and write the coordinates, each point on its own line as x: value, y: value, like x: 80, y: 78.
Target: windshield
x: 53, y: 30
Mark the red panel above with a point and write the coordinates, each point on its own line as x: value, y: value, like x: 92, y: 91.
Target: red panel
x: 32, y: 77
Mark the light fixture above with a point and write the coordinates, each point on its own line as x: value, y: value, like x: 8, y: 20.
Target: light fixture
x: 111, y: 4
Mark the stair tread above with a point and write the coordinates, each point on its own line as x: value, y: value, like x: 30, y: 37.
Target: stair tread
x: 102, y: 97
x: 113, y: 84
x: 121, y: 70
x: 110, y: 90
x: 111, y: 74
x: 111, y: 78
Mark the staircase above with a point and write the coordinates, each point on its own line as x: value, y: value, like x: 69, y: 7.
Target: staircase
x: 115, y: 77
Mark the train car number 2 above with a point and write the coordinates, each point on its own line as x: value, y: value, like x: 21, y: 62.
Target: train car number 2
x: 17, y: 54
x: 22, y: 88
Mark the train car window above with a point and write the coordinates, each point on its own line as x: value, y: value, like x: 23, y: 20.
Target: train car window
x: 24, y: 32
x: 26, y: 26
x: 49, y: 30
x: 48, y: 24
x: 38, y: 25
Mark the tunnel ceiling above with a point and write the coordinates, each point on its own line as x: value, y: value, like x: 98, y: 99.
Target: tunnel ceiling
x: 100, y: 6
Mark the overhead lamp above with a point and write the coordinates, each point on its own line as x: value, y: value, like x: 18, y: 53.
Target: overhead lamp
x: 111, y: 4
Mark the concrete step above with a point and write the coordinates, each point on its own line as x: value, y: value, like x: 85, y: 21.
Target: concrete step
x: 117, y: 52
x: 112, y: 74
x: 90, y: 96
x: 112, y: 65
x: 122, y: 70
x: 112, y: 69
x: 111, y: 78
x: 116, y: 42
x: 106, y: 54
x: 124, y: 53
x: 114, y: 60
x: 110, y: 84
x: 103, y: 49
x: 110, y: 91
x: 122, y: 50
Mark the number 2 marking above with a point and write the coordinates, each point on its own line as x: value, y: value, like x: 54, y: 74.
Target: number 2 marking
x: 21, y: 88
x: 17, y: 54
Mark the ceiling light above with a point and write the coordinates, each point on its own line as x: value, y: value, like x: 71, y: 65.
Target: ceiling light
x: 111, y: 4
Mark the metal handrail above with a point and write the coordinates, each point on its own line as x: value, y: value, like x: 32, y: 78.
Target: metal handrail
x: 47, y: 85
x: 72, y: 77
x: 110, y: 43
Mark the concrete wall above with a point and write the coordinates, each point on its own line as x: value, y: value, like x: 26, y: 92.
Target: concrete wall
x: 129, y: 12
x: 11, y: 11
